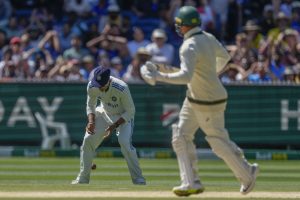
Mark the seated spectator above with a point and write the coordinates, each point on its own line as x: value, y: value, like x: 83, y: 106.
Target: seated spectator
x: 285, y: 49
x: 116, y: 64
x: 126, y: 28
x: 88, y: 64
x: 10, y: 71
x: 65, y: 36
x: 41, y: 19
x: 233, y: 73
x: 289, y: 75
x: 282, y: 23
x: 242, y: 55
x: 113, y: 17
x: 110, y: 41
x: 42, y: 73
x: 132, y: 74
x: 295, y: 20
x: 91, y: 33
x: 100, y: 8
x: 74, y: 68
x: 5, y: 12
x: 206, y: 15
x: 15, y: 45
x: 296, y: 70
x: 286, y: 7
x: 150, y: 8
x: 267, y: 22
x: 3, y: 38
x: 76, y: 51
x: 171, y: 12
x: 51, y: 42
x: 137, y: 42
x: 35, y: 35
x: 65, y: 71
x: 81, y: 7
x: 220, y: 11
x: 35, y: 58
x: 254, y: 37
x: 160, y: 51
x: 259, y: 71
x: 26, y: 42
x: 12, y: 29
x: 104, y: 61
x: 6, y: 58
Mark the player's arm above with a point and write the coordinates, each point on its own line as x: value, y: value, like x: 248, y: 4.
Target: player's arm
x: 90, y: 110
x: 184, y: 75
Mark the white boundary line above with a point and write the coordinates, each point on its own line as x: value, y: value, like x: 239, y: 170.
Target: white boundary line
x: 143, y: 194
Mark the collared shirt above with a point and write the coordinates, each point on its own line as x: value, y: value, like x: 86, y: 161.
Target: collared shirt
x: 116, y: 100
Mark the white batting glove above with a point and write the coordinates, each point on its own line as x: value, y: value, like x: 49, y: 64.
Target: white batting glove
x: 149, y: 74
x: 151, y: 66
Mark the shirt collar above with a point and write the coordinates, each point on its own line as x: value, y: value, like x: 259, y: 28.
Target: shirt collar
x: 192, y: 31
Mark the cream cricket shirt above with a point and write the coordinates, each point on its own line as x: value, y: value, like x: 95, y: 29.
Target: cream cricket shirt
x: 116, y: 100
x: 201, y: 57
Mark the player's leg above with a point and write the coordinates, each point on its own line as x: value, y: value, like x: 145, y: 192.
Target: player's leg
x: 184, y: 147
x: 212, y: 124
x: 124, y: 134
x: 88, y: 148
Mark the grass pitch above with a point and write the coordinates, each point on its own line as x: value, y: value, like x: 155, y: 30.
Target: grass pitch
x: 49, y: 178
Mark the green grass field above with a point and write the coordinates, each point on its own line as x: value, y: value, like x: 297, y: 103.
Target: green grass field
x: 49, y: 178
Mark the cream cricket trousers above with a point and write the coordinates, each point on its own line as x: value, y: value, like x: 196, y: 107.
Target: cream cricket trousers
x: 91, y: 142
x: 212, y: 124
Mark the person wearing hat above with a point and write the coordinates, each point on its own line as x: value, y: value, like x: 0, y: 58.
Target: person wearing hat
x: 132, y: 74
x: 295, y: 18
x: 137, y: 42
x: 282, y: 23
x: 254, y: 37
x: 161, y: 51
x: 115, y: 113
x: 113, y: 17
x: 15, y: 45
x: 202, y: 57
x: 267, y: 22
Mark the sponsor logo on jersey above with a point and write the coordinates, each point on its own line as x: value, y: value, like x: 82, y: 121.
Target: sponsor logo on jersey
x: 113, y: 98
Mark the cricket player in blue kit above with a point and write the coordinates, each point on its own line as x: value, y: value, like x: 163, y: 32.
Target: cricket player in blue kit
x: 114, y: 113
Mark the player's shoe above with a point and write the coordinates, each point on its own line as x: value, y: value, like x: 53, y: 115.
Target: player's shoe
x: 77, y: 181
x: 187, y: 191
x: 245, y: 189
x: 139, y: 181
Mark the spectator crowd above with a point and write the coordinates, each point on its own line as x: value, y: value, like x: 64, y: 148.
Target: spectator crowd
x: 64, y: 40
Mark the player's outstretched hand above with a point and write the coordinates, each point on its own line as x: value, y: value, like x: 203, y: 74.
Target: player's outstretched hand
x: 149, y: 74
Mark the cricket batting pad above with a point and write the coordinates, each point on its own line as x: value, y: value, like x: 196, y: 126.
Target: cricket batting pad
x: 185, y: 166
x: 232, y: 156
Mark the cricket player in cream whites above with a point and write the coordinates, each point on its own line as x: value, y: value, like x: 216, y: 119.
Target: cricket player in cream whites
x: 114, y: 113
x: 201, y: 58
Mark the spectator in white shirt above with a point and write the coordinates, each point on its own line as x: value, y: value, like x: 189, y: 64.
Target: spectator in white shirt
x: 161, y: 51
x: 137, y: 42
